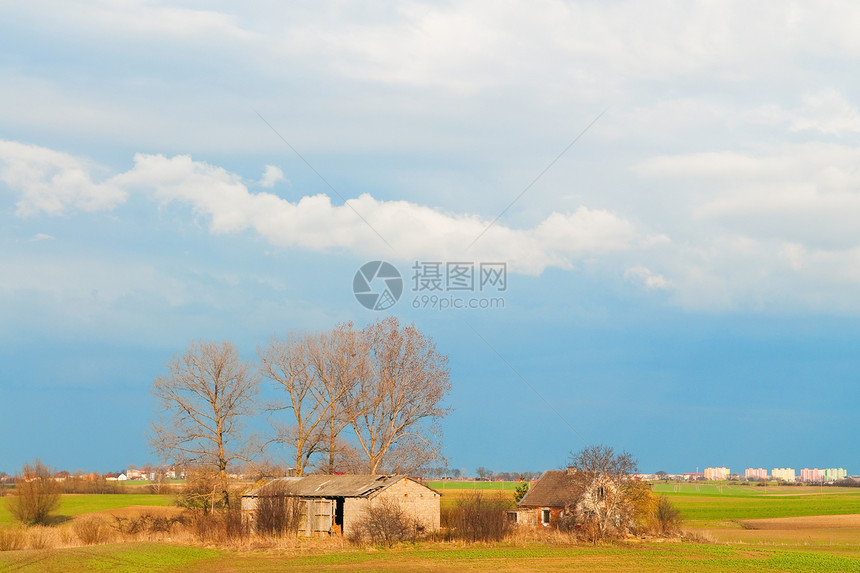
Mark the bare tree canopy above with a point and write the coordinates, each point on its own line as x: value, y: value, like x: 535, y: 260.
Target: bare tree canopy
x: 603, y: 460
x: 339, y: 358
x: 205, y: 395
x: 288, y: 363
x: 397, y: 400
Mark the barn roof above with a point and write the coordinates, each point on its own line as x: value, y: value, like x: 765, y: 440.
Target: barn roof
x: 556, y: 488
x: 328, y: 485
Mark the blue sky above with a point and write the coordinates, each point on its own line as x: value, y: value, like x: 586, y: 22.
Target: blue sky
x: 682, y: 282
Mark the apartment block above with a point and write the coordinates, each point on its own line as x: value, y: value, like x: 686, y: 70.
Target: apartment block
x: 755, y: 473
x: 717, y: 474
x: 784, y: 474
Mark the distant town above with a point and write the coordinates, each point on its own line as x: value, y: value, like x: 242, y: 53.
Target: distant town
x: 784, y: 475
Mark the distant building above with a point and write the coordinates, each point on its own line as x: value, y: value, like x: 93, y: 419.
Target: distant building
x: 834, y: 474
x: 814, y: 475
x: 717, y: 474
x: 753, y: 473
x: 784, y: 474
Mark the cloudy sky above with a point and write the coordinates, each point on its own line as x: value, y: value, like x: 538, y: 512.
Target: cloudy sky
x: 674, y: 188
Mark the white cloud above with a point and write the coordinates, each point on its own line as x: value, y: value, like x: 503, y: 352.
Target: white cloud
x: 271, y: 176
x: 53, y: 182
x: 41, y: 237
x: 42, y: 177
x: 646, y: 277
x: 827, y: 112
x: 803, y: 193
x: 413, y: 231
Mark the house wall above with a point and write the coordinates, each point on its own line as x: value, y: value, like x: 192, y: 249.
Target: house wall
x: 533, y: 516
x: 419, y: 502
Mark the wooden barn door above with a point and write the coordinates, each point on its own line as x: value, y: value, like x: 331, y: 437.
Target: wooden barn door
x: 322, y: 511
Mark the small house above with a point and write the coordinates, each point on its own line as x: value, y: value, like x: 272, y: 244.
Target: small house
x: 577, y: 496
x: 333, y: 504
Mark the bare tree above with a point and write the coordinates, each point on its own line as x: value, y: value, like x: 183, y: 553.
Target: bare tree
x: 288, y: 363
x: 37, y: 494
x: 339, y: 358
x: 394, y: 404
x: 602, y: 459
x: 206, y: 393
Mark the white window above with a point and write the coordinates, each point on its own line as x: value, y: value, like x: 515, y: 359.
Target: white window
x: 544, y: 514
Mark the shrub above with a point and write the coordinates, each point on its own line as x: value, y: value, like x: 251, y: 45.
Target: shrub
x: 146, y: 523
x: 479, y: 518
x: 200, y: 491
x: 219, y: 526
x: 37, y: 495
x: 277, y: 514
x: 92, y: 531
x: 385, y: 523
x: 40, y: 537
x: 11, y: 538
x: 667, y: 515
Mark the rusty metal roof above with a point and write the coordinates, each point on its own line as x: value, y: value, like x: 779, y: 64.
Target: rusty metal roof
x: 327, y: 486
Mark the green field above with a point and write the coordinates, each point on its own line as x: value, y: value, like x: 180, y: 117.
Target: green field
x: 77, y: 503
x: 640, y: 558
x: 707, y: 509
x: 439, y: 485
x: 708, y: 505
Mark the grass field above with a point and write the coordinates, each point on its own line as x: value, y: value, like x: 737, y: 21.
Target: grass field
x: 787, y: 529
x: 640, y: 558
x: 708, y: 506
x: 76, y: 504
x: 462, y: 484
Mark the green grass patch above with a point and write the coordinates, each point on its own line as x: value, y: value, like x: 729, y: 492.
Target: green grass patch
x: 77, y: 503
x: 709, y: 508
x: 457, y: 484
x: 638, y: 558
x: 122, y: 558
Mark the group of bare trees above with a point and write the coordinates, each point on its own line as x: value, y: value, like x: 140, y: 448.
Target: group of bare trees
x: 364, y: 399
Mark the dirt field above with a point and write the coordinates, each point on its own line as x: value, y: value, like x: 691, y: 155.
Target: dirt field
x: 813, y: 530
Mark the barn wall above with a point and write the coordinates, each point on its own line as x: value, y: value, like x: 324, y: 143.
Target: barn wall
x: 419, y: 502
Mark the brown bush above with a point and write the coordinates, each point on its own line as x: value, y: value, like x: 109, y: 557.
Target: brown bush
x: 219, y: 527
x: 277, y: 513
x: 41, y: 537
x: 385, y: 522
x: 92, y: 531
x: 146, y: 523
x: 667, y: 515
x: 479, y: 517
x: 37, y: 495
x: 11, y: 538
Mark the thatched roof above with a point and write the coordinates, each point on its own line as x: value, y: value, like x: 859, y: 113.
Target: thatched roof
x: 327, y: 486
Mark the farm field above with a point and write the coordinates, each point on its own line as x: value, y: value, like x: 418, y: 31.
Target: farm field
x: 76, y: 504
x: 710, y: 507
x: 423, y: 557
x: 787, y: 529
x: 440, y: 485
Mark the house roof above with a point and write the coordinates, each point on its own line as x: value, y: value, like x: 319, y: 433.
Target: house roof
x: 328, y: 485
x: 556, y: 488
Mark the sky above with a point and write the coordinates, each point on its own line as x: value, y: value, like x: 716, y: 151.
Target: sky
x: 667, y: 191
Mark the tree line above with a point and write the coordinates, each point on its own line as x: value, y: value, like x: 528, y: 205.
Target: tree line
x: 352, y: 399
